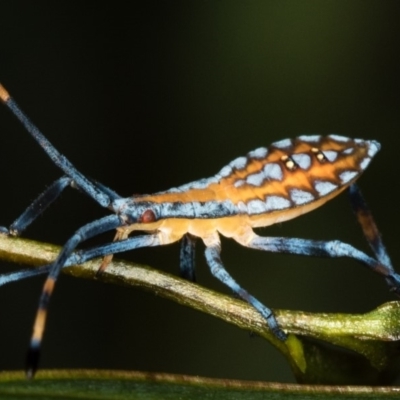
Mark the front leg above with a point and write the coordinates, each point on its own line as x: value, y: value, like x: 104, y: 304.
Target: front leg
x: 36, y: 208
x: 45, y: 200
x: 86, y: 232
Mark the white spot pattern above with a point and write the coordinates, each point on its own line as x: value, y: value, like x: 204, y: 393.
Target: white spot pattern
x: 270, y: 171
x: 171, y: 190
x: 283, y: 143
x: 374, y: 147
x: 195, y: 209
x: 339, y: 138
x: 200, y: 184
x: 273, y: 171
x: 348, y: 151
x: 331, y: 155
x: 226, y: 171
x: 182, y: 188
x: 256, y: 179
x: 203, y: 183
x: 261, y: 152
x: 276, y: 203
x: 239, y: 183
x: 347, y: 176
x: 310, y: 138
x: 256, y: 207
x: 324, y: 187
x: 238, y: 163
x: 302, y: 160
x: 301, y: 196
x: 242, y: 207
x: 364, y: 163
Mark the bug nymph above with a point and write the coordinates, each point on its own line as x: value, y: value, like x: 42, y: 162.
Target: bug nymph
x: 268, y: 185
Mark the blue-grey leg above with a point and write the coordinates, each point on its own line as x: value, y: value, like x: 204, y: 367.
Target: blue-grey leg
x: 136, y: 242
x: 81, y: 256
x: 333, y: 249
x: 213, y: 257
x: 89, y: 230
x: 36, y: 208
x: 105, y: 189
x: 24, y: 274
x: 187, y: 257
x: 44, y: 200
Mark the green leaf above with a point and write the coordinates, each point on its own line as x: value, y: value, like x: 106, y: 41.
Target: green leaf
x: 118, y: 385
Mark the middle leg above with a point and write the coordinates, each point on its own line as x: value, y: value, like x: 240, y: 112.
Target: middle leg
x: 213, y: 257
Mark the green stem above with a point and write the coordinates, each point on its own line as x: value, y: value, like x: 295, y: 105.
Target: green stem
x: 371, y: 336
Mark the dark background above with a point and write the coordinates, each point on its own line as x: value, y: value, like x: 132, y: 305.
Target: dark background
x: 170, y: 92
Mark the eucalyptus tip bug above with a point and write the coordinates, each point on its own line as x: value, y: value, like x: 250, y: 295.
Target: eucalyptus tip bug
x: 268, y: 185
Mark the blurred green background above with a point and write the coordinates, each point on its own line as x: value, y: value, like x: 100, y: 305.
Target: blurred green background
x: 170, y: 92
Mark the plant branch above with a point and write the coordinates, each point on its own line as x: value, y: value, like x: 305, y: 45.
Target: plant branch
x: 370, y: 335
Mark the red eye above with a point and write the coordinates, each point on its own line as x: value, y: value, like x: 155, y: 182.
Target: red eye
x: 147, y: 217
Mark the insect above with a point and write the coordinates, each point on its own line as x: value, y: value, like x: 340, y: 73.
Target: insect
x: 269, y: 185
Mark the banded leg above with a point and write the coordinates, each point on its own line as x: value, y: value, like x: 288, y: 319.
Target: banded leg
x: 213, y: 257
x: 333, y: 249
x: 370, y: 230
x: 61, y: 161
x: 187, y: 257
x: 92, y: 229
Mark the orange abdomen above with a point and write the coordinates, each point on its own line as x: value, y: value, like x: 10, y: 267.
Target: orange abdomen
x: 289, y: 178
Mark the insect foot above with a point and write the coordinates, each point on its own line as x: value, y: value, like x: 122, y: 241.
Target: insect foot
x: 393, y: 280
x: 4, y: 230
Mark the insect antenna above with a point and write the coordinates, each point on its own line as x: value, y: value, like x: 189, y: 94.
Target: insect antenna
x: 61, y: 161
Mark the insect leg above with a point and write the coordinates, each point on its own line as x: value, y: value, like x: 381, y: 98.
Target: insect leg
x: 105, y: 189
x: 40, y: 204
x: 120, y: 235
x: 92, y: 229
x: 333, y: 248
x: 80, y: 256
x: 368, y: 226
x: 24, y: 274
x: 187, y: 257
x: 132, y: 243
x: 62, y: 162
x: 213, y: 257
